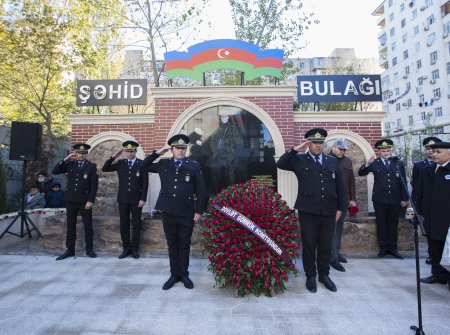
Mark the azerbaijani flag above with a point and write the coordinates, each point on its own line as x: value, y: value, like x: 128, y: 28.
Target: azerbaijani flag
x: 224, y: 54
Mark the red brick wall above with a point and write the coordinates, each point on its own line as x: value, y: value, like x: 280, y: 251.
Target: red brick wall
x: 280, y: 109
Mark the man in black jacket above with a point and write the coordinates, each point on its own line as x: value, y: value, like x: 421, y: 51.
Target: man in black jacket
x: 433, y: 189
x: 82, y: 183
x: 320, y: 202
x: 182, y: 202
x: 418, y: 166
x: 388, y: 195
x: 131, y: 196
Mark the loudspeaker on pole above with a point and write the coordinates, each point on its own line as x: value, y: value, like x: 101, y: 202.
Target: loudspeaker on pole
x: 26, y: 141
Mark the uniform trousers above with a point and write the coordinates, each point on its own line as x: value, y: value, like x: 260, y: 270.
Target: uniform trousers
x: 178, y: 231
x: 125, y: 210
x: 336, y: 239
x: 386, y: 216
x: 316, y: 233
x: 435, y: 248
x: 72, y: 210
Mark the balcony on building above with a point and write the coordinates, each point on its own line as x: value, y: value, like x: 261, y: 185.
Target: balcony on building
x: 445, y: 8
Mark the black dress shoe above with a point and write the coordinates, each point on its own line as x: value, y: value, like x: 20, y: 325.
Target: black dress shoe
x: 170, y: 282
x: 124, y: 254
x: 135, y: 254
x: 428, y: 261
x: 66, y: 254
x: 325, y: 280
x: 91, y: 253
x: 187, y: 282
x: 311, y: 284
x: 396, y: 254
x: 342, y: 259
x: 381, y: 253
x: 432, y: 280
x: 338, y: 266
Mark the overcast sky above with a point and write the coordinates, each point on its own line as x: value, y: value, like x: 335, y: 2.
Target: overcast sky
x: 343, y: 24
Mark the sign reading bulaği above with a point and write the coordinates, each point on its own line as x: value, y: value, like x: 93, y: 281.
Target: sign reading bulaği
x: 117, y: 92
x: 339, y: 88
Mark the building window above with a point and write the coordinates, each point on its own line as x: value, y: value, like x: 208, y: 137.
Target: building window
x: 431, y: 19
x: 419, y: 64
x: 416, y: 30
x: 409, y: 102
x: 395, y: 76
x: 435, y: 74
x: 392, y: 31
x: 433, y: 57
x: 437, y: 93
x: 397, y: 91
x: 405, y: 38
x: 408, y: 86
x: 410, y: 120
x: 397, y: 107
x: 403, y: 23
x: 414, y: 14
x: 391, y: 17
x: 393, y: 46
x: 439, y: 130
x: 448, y: 68
x: 402, y: 7
x: 405, y: 54
x: 423, y: 117
x: 407, y: 70
x: 438, y: 112
x: 431, y: 39
x: 428, y: 3
x: 399, y: 123
x: 421, y: 98
x: 387, y: 126
x: 417, y: 46
x: 390, y: 3
x: 394, y: 61
x: 302, y: 65
x: 420, y: 81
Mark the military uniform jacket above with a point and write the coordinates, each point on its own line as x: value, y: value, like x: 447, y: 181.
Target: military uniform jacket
x: 432, y: 202
x: 133, y: 184
x: 417, y: 167
x: 387, y: 186
x: 82, y: 183
x: 320, y: 190
x: 182, y: 192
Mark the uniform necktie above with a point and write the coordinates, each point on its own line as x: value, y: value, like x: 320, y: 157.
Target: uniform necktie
x: 130, y: 163
x: 386, y: 163
x: 80, y: 165
x: 177, y: 164
x: 318, y: 161
x: 437, y: 169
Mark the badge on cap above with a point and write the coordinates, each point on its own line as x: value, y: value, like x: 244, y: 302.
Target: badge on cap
x: 317, y: 135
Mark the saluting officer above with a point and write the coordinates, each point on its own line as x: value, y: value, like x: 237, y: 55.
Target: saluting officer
x: 131, y: 196
x: 432, y: 193
x: 417, y: 168
x: 320, y: 202
x: 388, y: 195
x: 182, y: 202
x: 82, y: 183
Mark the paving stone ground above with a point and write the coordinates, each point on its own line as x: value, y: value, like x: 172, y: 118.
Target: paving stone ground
x: 110, y: 296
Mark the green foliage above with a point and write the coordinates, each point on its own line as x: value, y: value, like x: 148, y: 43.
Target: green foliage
x: 272, y: 23
x: 44, y: 44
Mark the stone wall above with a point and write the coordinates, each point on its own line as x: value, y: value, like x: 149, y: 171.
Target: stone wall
x: 358, y: 236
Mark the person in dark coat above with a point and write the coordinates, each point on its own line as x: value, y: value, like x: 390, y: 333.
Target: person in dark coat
x: 345, y: 164
x: 433, y: 189
x: 320, y: 202
x: 44, y: 182
x: 418, y: 166
x: 388, y: 196
x: 82, y: 184
x: 55, y: 196
x: 181, y: 201
x: 131, y: 196
x: 34, y: 199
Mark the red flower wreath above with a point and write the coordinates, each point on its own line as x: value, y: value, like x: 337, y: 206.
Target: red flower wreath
x: 239, y: 259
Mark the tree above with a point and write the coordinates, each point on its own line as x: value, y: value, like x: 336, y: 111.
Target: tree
x: 44, y: 44
x: 270, y: 23
x: 164, y: 23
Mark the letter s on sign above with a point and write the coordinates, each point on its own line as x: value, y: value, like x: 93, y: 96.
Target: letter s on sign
x: 84, y: 93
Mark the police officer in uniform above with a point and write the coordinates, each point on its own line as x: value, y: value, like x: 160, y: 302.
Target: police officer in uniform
x: 82, y: 183
x: 320, y: 202
x: 182, y: 202
x: 131, y: 196
x: 433, y: 189
x: 418, y: 166
x: 387, y: 196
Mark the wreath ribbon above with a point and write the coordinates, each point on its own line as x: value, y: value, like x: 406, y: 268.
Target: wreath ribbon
x: 254, y: 229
